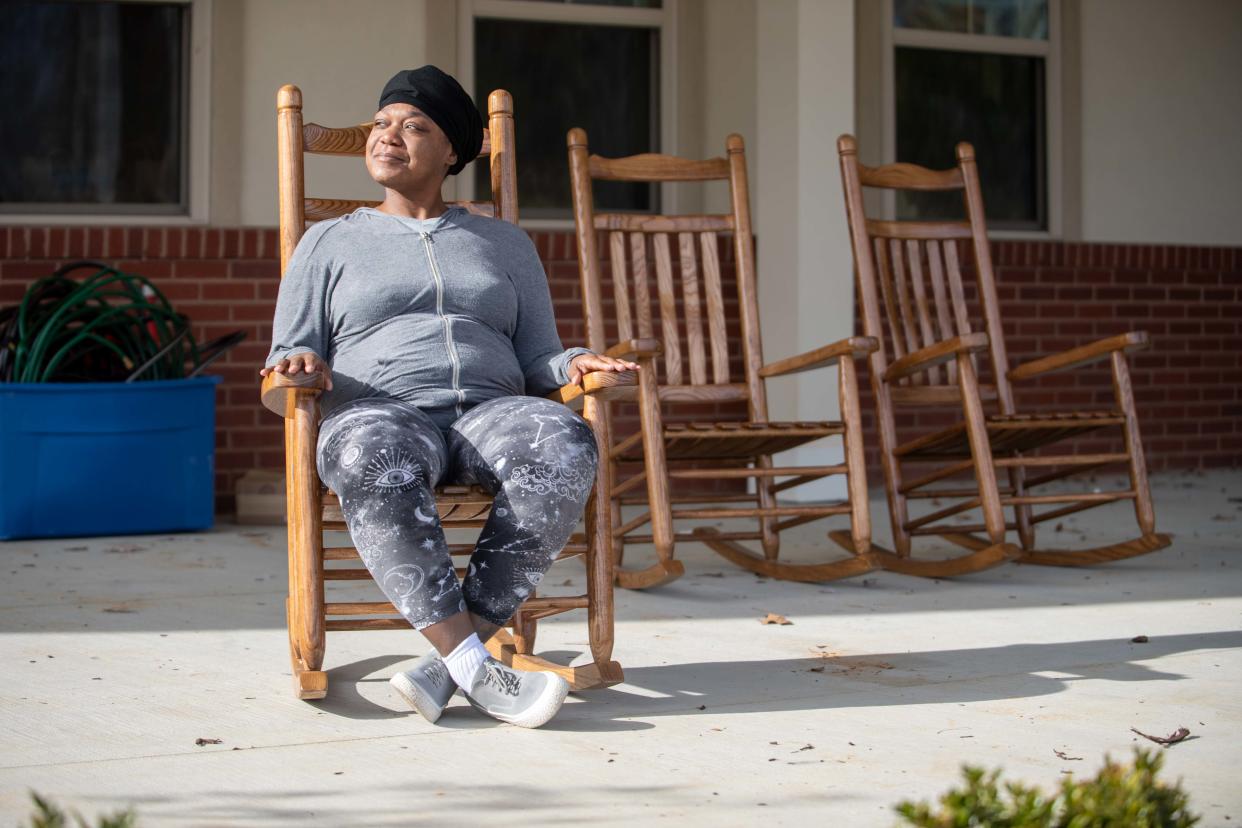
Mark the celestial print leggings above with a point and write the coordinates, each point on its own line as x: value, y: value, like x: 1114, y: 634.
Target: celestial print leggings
x: 384, y: 458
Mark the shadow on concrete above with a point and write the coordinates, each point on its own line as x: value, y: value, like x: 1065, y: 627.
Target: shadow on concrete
x: 428, y: 799
x: 828, y: 681
x: 345, y: 700
x: 823, y: 680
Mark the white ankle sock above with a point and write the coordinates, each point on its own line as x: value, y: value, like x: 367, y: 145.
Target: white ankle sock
x: 465, y: 660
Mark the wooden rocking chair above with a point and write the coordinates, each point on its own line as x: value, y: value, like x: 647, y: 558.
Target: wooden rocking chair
x: 933, y: 362
x: 312, y: 509
x: 680, y: 453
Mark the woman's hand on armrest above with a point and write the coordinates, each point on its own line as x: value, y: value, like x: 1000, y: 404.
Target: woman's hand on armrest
x: 302, y: 363
x: 588, y: 363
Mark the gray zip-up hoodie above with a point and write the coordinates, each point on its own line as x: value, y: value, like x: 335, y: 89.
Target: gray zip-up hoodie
x: 443, y: 313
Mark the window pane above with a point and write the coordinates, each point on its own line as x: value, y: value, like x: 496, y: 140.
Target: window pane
x: 994, y: 101
x: 601, y: 78
x: 1004, y: 18
x: 92, y: 101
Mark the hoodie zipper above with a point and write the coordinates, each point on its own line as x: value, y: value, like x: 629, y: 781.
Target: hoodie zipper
x: 450, y: 346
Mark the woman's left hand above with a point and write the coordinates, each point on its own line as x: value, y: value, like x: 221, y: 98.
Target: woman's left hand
x: 588, y: 363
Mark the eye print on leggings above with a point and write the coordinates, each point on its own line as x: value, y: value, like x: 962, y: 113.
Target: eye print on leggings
x: 524, y: 581
x: 391, y: 471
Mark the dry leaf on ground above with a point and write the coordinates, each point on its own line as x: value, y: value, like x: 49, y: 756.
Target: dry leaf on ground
x: 1173, y: 738
x: 773, y: 618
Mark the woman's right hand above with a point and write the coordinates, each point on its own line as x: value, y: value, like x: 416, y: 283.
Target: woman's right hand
x: 307, y: 363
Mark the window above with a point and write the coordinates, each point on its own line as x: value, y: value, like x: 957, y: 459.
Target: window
x: 978, y: 71
x: 96, y: 103
x: 600, y: 65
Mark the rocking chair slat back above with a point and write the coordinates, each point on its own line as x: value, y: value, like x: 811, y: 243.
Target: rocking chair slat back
x: 620, y: 285
x: 668, y: 309
x: 924, y: 297
x: 715, y: 308
x: 694, y: 310
x: 687, y: 282
x: 680, y: 303
x: 642, y: 291
x: 916, y: 266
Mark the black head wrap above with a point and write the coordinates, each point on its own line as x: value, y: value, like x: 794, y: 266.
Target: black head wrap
x: 441, y: 98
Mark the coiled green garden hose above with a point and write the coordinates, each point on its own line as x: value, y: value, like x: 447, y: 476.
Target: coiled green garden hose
x: 112, y: 326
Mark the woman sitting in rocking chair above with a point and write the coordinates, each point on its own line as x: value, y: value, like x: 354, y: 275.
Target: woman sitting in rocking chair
x: 432, y: 324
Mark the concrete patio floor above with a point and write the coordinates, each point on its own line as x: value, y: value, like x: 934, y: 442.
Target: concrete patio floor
x: 119, y: 653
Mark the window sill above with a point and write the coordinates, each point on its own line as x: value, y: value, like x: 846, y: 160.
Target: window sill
x: 1022, y: 235
x: 566, y: 224
x: 98, y: 220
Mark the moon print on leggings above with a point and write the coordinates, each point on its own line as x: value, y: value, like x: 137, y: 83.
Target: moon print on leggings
x: 402, y: 583
x: 384, y: 457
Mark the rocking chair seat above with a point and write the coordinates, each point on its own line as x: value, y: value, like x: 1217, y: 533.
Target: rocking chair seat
x: 454, y: 503
x: 736, y: 440
x: 457, y: 506
x: 1010, y: 433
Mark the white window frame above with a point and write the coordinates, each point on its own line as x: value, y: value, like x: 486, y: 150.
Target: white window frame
x: 197, y: 144
x: 664, y: 19
x: 1049, y: 50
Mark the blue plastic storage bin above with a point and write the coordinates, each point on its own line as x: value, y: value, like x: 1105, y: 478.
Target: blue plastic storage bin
x: 106, y: 458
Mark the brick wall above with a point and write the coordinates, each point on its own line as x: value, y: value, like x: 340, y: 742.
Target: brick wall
x: 223, y: 279
x: 1056, y: 295
x: 1053, y: 295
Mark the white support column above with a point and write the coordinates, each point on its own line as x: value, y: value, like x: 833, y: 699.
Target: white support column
x: 805, y: 100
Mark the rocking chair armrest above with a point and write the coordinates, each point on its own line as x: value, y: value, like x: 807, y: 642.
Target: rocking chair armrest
x: 635, y: 349
x: 599, y: 385
x: 279, y: 392
x: 934, y: 354
x: 854, y: 347
x: 1083, y: 354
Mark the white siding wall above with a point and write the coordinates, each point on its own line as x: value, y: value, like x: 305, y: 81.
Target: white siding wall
x: 730, y: 74
x: 805, y: 99
x: 1161, y: 121
x: 339, y: 53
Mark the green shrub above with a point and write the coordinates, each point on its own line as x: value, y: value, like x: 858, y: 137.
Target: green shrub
x: 49, y: 815
x: 1119, y: 795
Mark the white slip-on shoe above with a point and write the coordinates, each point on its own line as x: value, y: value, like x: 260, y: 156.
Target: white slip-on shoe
x: 526, y: 699
x: 427, y: 686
